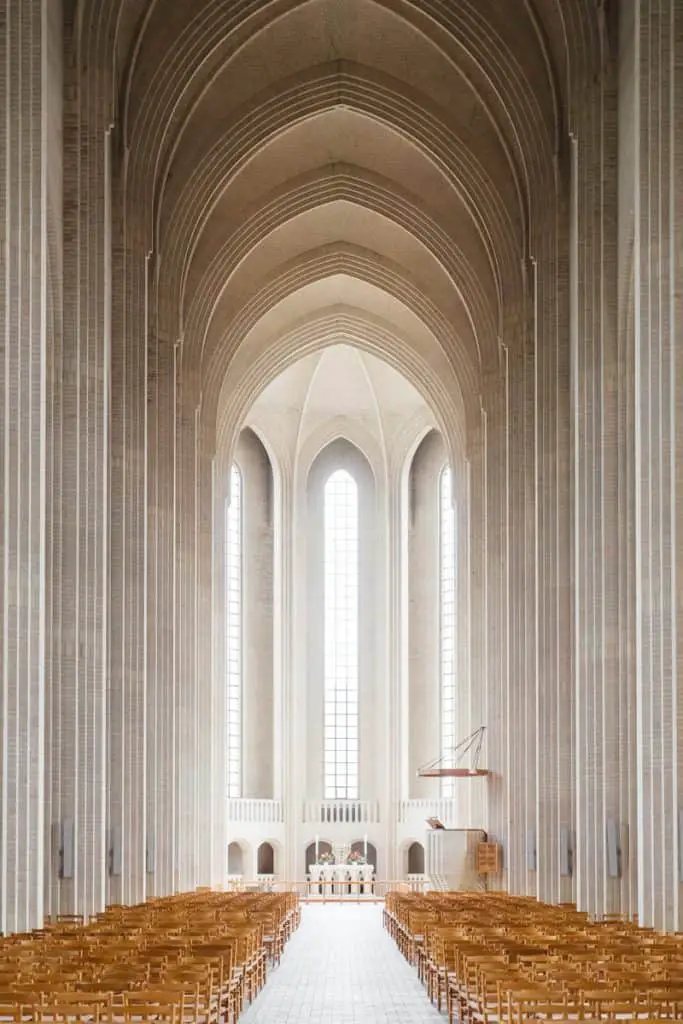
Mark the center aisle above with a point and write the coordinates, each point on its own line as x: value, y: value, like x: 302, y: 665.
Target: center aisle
x: 341, y: 967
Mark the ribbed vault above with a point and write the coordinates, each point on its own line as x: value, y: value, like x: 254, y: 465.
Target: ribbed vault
x: 269, y: 146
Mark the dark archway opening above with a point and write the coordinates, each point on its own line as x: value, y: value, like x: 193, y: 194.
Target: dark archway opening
x: 265, y: 859
x: 235, y: 859
x: 416, y: 859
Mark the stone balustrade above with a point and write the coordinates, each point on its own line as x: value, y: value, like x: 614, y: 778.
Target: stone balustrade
x: 255, y: 811
x: 341, y: 812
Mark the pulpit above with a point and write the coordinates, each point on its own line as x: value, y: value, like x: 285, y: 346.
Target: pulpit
x: 451, y: 858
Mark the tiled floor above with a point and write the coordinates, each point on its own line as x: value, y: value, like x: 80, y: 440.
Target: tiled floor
x: 341, y: 967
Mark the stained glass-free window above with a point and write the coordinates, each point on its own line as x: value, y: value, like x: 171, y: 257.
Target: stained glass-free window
x: 341, y: 637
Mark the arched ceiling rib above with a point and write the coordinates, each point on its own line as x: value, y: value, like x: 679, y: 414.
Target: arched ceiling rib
x: 369, y: 155
x: 421, y: 362
x: 318, y: 90
x: 322, y: 188
x: 364, y: 266
x: 364, y: 392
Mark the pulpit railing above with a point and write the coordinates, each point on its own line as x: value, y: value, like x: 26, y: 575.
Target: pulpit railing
x: 341, y: 812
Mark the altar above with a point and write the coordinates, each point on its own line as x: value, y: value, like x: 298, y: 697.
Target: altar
x: 341, y: 874
x: 341, y: 879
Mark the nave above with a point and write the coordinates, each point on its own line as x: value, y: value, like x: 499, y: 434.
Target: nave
x: 341, y: 967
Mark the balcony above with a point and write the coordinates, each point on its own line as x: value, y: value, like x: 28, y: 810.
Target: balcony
x: 341, y: 812
x: 417, y: 811
x: 249, y: 811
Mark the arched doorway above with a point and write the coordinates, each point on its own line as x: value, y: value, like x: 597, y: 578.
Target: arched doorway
x: 416, y: 859
x: 235, y: 860
x: 265, y: 859
x: 323, y: 848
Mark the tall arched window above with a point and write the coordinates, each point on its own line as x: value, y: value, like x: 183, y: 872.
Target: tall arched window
x: 447, y: 621
x: 341, y: 637
x: 233, y: 635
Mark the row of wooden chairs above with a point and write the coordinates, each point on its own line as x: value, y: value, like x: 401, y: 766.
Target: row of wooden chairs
x: 193, y: 958
x: 493, y: 958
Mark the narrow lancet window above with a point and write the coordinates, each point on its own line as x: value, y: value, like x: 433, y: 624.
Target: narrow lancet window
x: 341, y: 637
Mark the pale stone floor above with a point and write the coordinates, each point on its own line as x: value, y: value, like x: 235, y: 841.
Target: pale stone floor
x: 341, y: 967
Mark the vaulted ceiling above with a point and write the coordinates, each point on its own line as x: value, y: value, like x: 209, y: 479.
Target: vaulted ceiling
x: 310, y: 172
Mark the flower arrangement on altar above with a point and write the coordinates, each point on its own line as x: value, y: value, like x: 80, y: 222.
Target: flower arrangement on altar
x: 325, y: 858
x: 355, y: 858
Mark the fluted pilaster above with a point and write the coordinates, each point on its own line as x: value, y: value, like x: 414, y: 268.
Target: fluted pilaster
x: 23, y: 443
x: 658, y: 53
x: 161, y: 809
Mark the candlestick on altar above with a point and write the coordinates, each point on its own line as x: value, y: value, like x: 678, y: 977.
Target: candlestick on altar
x: 317, y: 849
x: 365, y: 846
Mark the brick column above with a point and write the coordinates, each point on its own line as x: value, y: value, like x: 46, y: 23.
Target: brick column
x: 161, y: 712
x: 658, y: 261
x: 423, y: 730
x: 189, y: 739
x: 495, y: 401
x: 554, y: 684
x: 473, y: 580
x: 598, y: 582
x: 210, y: 787
x: 23, y: 374
x: 522, y: 615
x: 78, y: 513
x: 127, y: 707
x: 219, y: 827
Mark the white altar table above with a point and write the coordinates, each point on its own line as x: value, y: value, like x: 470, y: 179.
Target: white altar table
x: 341, y: 879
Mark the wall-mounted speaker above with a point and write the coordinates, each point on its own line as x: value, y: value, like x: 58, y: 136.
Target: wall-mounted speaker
x: 613, y: 849
x: 566, y: 852
x: 530, y: 850
x: 150, y: 853
x: 67, y: 849
x: 115, y: 851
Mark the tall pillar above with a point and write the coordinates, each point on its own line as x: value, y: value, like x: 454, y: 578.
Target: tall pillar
x: 186, y: 696
x: 24, y: 157
x: 79, y: 496
x: 598, y: 576
x: 473, y: 575
x: 391, y: 658
x: 657, y: 52
x: 552, y: 497
x: 161, y: 809
x: 127, y: 722
x: 422, y: 694
x: 290, y: 663
x: 522, y: 616
x: 210, y: 787
x: 495, y: 402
